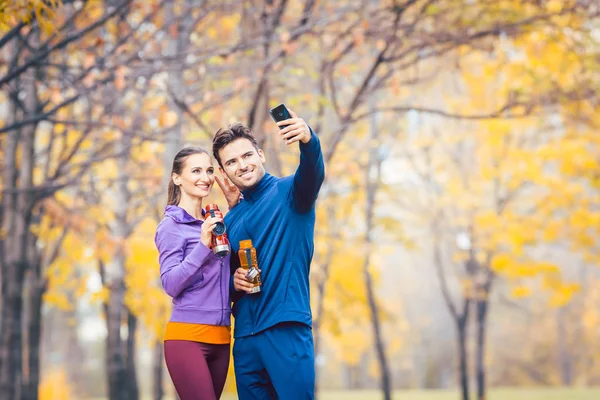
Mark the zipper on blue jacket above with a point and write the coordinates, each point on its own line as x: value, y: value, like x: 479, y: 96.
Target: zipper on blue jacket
x: 253, y: 302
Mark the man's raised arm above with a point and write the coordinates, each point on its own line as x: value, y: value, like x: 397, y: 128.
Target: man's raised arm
x: 311, y: 170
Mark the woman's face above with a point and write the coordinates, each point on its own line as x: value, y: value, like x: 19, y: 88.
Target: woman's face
x: 196, y: 177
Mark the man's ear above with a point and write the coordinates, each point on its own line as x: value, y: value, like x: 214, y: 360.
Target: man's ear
x: 221, y: 171
x: 261, y: 156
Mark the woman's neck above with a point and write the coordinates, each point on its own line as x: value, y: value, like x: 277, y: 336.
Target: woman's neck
x: 192, y: 206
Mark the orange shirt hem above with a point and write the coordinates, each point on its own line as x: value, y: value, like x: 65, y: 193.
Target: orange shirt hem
x: 211, y: 334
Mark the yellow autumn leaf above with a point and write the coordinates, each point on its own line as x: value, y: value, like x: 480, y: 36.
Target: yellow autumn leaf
x: 554, y: 6
x: 521, y: 292
x: 100, y: 296
x: 562, y: 296
x: 167, y: 118
x: 58, y: 300
x: 501, y: 262
x: 55, y: 385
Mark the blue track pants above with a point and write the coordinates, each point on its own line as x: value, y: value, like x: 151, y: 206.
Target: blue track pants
x: 277, y: 363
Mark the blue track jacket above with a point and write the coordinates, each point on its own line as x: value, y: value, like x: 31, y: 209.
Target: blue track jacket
x: 278, y: 215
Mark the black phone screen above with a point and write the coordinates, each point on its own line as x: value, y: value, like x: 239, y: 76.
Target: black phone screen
x: 280, y: 113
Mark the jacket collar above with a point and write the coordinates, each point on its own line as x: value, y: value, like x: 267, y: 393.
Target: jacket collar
x: 257, y: 190
x: 180, y: 215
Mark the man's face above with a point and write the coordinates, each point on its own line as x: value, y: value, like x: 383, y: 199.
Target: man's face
x: 242, y: 163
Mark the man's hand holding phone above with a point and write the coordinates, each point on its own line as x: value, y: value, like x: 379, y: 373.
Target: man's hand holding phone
x: 292, y: 128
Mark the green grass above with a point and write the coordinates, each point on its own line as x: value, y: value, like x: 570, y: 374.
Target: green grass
x: 494, y: 394
x: 546, y: 394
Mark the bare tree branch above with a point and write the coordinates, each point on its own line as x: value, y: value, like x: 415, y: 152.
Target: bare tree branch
x: 43, y: 54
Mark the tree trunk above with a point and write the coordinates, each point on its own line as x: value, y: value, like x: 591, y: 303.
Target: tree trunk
x: 482, y: 306
x: 375, y: 324
x: 37, y: 287
x: 373, y: 172
x: 267, y: 21
x: 131, y: 364
x: 324, y: 278
x: 177, y: 44
x: 17, y: 220
x: 11, y: 335
x: 116, y: 351
x: 460, y: 317
x: 157, y: 372
x: 116, y: 369
x: 320, y: 299
x: 564, y: 355
x: 463, y: 363
x: 116, y: 356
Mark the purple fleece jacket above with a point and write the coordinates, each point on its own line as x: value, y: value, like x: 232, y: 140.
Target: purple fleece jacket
x: 191, y: 274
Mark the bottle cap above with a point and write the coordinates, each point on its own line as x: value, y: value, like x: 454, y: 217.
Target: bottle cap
x: 245, y: 244
x: 219, y: 229
x: 211, y: 207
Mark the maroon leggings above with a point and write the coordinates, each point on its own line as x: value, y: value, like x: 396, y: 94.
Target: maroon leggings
x: 198, y: 370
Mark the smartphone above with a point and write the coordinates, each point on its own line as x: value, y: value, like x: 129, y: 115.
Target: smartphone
x: 280, y: 113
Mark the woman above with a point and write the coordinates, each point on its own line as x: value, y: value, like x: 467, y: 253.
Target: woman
x: 198, y: 335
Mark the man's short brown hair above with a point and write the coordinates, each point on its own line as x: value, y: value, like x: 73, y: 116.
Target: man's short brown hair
x: 224, y: 136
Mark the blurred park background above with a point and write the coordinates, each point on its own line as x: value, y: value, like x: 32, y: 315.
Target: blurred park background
x: 457, y: 244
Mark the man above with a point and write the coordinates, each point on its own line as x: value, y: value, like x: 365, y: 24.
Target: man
x: 273, y: 350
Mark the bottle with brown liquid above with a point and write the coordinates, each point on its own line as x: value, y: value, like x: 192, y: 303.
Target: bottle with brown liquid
x: 249, y: 261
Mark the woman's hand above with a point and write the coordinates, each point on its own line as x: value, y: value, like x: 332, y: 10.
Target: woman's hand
x: 206, y: 231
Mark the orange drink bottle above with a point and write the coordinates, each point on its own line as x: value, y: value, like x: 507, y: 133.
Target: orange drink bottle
x: 249, y: 261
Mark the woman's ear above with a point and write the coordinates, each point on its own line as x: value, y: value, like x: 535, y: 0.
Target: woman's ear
x: 176, y: 179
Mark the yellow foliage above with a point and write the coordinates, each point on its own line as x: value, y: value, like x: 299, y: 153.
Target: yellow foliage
x: 501, y: 262
x: 460, y: 257
x: 346, y: 271
x: 167, y: 118
x: 467, y: 287
x: 145, y: 297
x: 483, y: 165
x: 107, y: 170
x: 230, y: 383
x: 75, y: 248
x: 552, y: 230
x: 100, y: 296
x: 14, y: 11
x: 228, y: 24
x: 58, y: 300
x: 563, y: 295
x: 55, y: 385
x: 521, y: 292
x: 591, y: 319
x: 94, y: 9
x: 582, y: 219
x: 548, y: 268
x: 141, y: 251
x: 352, y: 344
